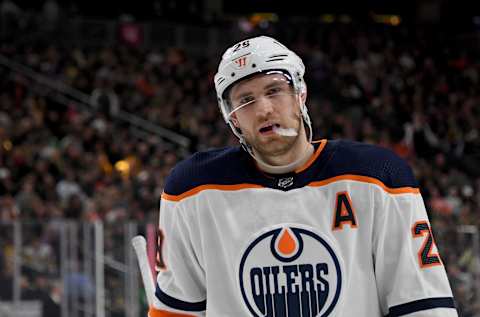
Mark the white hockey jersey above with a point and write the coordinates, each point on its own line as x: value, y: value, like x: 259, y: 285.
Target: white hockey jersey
x: 345, y: 235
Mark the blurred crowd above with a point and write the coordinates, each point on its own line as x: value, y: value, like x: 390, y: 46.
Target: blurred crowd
x: 407, y: 89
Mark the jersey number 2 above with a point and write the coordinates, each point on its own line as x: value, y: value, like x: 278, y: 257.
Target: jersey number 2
x: 426, y: 257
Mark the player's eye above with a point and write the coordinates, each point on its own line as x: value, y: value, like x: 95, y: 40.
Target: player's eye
x: 273, y: 91
x: 246, y: 99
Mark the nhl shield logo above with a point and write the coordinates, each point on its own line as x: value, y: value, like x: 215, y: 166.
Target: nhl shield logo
x: 290, y: 271
x: 285, y: 182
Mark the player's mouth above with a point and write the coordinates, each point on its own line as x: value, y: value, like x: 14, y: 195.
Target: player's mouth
x: 268, y: 128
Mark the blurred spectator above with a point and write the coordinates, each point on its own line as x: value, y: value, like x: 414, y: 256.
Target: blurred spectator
x: 6, y: 279
x: 10, y: 15
x: 103, y: 96
x: 51, y: 15
x: 68, y: 187
x: 39, y: 289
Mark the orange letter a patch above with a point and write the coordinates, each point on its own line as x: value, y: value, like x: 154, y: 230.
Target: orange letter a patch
x: 344, y: 214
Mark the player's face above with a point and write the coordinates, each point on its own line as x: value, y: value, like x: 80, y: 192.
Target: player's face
x: 261, y: 105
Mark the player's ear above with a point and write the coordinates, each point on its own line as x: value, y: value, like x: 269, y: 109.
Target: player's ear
x: 234, y: 120
x: 303, y: 93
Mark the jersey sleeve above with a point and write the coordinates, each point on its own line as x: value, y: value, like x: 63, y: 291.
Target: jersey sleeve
x: 180, y: 289
x: 411, y: 278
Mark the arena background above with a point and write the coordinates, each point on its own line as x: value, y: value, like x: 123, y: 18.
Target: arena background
x: 97, y: 103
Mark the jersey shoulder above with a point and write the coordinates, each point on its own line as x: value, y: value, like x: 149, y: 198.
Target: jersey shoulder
x: 356, y: 158
x: 224, y: 166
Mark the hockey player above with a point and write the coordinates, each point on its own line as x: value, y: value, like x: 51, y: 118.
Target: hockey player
x: 283, y: 226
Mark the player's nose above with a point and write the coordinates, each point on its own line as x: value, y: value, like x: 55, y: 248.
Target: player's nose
x: 264, y: 107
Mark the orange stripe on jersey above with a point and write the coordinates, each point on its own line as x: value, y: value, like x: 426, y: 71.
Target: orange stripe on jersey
x: 314, y: 156
x: 153, y: 312
x: 366, y: 179
x: 200, y: 188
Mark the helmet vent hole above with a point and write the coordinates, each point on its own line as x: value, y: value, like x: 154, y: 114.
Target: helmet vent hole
x: 275, y: 59
x: 232, y: 74
x: 278, y: 55
x: 254, y: 65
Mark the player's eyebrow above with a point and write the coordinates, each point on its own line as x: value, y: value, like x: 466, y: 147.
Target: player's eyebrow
x: 273, y: 84
x: 243, y: 94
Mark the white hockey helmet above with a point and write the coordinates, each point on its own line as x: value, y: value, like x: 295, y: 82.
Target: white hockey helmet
x: 253, y: 56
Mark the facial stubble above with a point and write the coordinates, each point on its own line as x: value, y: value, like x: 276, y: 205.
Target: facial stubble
x: 276, y: 145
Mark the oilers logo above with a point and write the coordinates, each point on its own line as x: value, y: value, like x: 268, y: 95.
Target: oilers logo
x: 290, y: 271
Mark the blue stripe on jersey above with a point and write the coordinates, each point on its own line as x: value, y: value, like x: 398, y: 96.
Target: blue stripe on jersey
x: 419, y: 305
x: 232, y: 165
x: 347, y: 157
x: 225, y: 166
x: 180, y: 304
